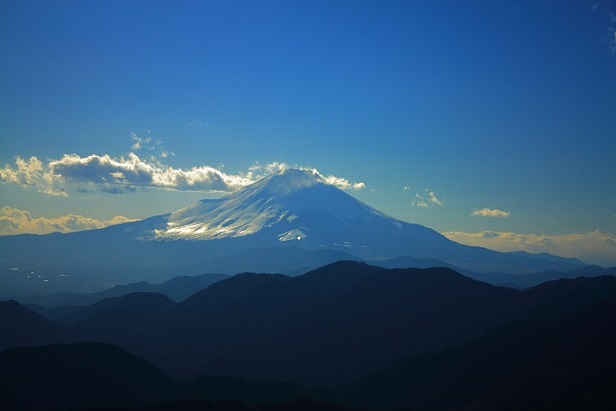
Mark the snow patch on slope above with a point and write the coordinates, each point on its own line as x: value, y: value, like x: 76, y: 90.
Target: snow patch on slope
x: 295, y: 234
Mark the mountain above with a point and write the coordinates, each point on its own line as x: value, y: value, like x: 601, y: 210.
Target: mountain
x: 177, y: 288
x: 330, y: 325
x: 23, y: 327
x: 566, y: 362
x: 76, y: 376
x: 524, y: 280
x: 294, y: 208
x: 425, y: 338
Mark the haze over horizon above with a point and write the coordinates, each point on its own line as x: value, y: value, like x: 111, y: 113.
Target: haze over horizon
x: 492, y: 123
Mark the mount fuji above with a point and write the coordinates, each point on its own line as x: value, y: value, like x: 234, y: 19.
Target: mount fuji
x: 294, y: 215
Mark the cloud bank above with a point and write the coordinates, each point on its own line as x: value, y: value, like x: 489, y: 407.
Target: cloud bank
x: 594, y: 247
x: 488, y: 212
x: 15, y: 221
x: 125, y: 174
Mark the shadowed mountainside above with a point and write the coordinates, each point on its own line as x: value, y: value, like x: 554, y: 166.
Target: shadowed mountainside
x: 22, y: 327
x: 76, y: 376
x: 331, y: 325
x: 440, y: 339
x: 558, y: 362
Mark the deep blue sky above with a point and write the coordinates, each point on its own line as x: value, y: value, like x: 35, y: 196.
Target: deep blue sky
x: 503, y: 105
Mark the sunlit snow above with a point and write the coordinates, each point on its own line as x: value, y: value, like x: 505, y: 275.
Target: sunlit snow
x: 280, y: 198
x: 295, y: 234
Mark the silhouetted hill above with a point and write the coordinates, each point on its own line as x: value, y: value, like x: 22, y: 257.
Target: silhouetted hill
x: 566, y: 362
x: 576, y: 371
x: 330, y: 325
x: 22, y: 327
x: 120, y: 320
x: 181, y: 287
x: 282, y: 260
x: 75, y: 376
x: 532, y: 279
x: 555, y: 298
x: 447, y: 340
x: 232, y: 405
x: 178, y: 289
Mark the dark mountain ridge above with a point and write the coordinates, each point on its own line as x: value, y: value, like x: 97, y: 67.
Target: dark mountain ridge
x: 425, y: 338
x: 328, y: 326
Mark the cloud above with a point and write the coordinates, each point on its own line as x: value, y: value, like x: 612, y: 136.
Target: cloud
x: 257, y: 171
x: 426, y: 200
x: 147, y: 143
x: 343, y: 183
x: 15, y: 221
x: 595, y: 247
x: 31, y: 173
x: 123, y: 175
x: 488, y: 212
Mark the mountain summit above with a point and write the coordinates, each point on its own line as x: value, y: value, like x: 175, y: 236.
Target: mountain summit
x: 290, y: 203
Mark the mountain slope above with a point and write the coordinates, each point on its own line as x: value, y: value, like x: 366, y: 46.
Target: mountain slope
x: 334, y: 324
x: 75, y: 376
x: 22, y: 327
x: 293, y: 208
x: 565, y: 362
x: 330, y: 325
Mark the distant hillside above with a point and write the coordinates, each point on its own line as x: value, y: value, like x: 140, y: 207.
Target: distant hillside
x: 177, y: 288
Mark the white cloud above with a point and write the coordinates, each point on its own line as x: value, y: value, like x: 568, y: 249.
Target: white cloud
x: 419, y: 201
x: 343, y: 183
x: 258, y: 171
x: 31, y: 173
x: 149, y: 144
x: 426, y: 200
x: 15, y: 221
x: 489, y: 212
x: 594, y: 247
x: 121, y: 175
x: 432, y: 198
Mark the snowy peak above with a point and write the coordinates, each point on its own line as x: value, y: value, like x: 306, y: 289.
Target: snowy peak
x: 277, y: 200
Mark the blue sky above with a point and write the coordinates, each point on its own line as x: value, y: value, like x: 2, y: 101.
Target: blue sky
x: 493, y: 122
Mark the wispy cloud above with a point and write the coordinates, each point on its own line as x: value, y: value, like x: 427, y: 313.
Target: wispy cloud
x: 610, y: 38
x: 596, y: 247
x: 426, y: 199
x: 148, y: 143
x: 489, y: 212
x: 257, y: 171
x: 15, y: 221
x: 123, y: 175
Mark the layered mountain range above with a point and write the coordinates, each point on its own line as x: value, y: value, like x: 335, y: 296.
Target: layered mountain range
x: 288, y: 222
x: 347, y: 333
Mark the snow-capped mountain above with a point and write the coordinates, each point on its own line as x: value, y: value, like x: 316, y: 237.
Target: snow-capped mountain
x: 245, y: 231
x: 300, y: 207
x: 283, y: 200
